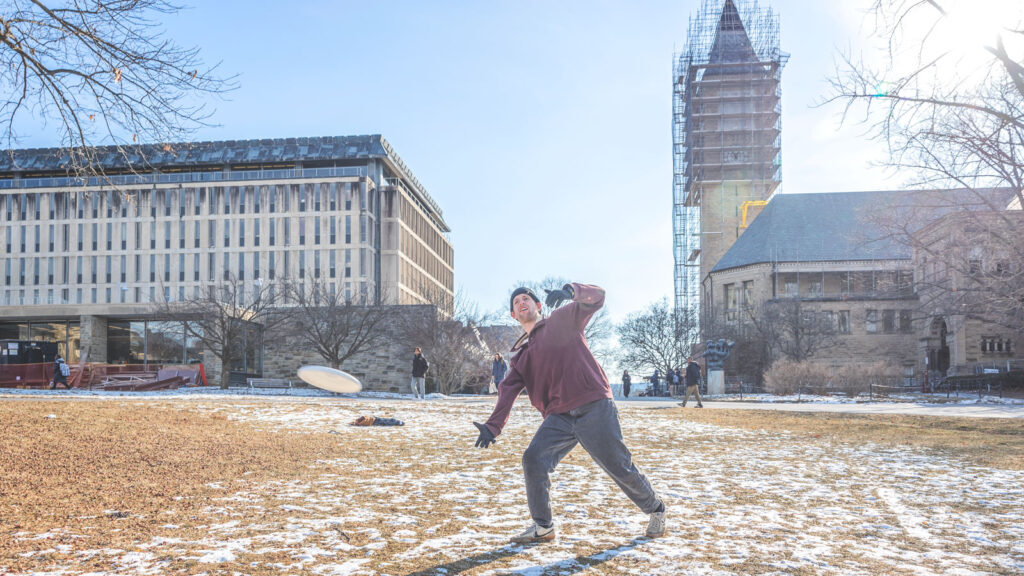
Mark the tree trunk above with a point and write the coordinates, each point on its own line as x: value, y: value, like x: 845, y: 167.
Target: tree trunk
x: 225, y: 373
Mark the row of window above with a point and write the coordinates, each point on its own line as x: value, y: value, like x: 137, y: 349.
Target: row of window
x: 996, y: 345
x: 87, y: 269
x: 425, y: 259
x: 310, y: 196
x: 887, y: 321
x: 892, y: 321
x: 935, y: 270
x: 151, y: 294
x: 897, y: 283
x: 110, y: 236
x: 424, y: 229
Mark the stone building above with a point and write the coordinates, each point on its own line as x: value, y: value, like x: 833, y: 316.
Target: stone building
x: 833, y: 255
x: 86, y: 261
x: 969, y: 283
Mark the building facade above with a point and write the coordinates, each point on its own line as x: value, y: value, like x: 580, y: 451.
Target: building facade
x: 969, y: 281
x: 85, y: 261
x: 866, y: 295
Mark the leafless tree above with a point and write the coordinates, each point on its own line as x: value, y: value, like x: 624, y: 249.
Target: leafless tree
x: 103, y: 73
x: 459, y: 358
x: 656, y: 339
x: 793, y: 330
x: 773, y: 330
x: 336, y: 327
x: 973, y: 268
x: 952, y: 115
x: 225, y: 316
x: 599, y: 332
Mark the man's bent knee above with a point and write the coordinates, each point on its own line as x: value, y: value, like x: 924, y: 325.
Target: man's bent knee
x: 534, y: 462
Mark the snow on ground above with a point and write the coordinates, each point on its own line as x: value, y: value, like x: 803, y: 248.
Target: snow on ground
x: 739, y: 501
x: 306, y: 392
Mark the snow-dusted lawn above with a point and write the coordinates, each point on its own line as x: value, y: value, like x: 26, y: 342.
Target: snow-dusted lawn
x: 420, y: 499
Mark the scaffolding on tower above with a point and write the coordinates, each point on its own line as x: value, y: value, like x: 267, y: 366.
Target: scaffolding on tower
x: 726, y: 124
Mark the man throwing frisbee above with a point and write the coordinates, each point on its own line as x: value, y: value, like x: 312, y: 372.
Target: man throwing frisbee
x: 569, y: 388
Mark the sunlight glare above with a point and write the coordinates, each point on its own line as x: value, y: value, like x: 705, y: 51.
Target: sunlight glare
x: 971, y: 26
x: 958, y: 43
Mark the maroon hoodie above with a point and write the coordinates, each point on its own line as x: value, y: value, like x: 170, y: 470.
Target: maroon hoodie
x: 555, y: 364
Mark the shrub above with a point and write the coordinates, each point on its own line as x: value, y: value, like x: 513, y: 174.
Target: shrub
x: 786, y: 377
x: 855, y: 379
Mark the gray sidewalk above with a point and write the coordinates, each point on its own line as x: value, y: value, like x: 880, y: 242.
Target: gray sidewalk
x: 962, y: 410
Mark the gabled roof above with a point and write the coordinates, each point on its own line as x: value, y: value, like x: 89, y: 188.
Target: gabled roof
x: 838, y: 226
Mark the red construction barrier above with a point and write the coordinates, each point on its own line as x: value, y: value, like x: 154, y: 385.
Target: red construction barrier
x: 26, y: 375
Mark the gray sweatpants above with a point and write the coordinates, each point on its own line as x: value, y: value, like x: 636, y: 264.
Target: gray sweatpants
x: 596, y: 427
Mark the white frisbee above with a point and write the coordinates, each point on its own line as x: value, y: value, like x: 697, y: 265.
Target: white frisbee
x: 330, y: 379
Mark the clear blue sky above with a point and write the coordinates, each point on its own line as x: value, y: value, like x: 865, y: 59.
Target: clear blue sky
x: 543, y: 129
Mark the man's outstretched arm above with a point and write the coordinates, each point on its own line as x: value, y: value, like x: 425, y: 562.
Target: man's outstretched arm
x: 508, y: 391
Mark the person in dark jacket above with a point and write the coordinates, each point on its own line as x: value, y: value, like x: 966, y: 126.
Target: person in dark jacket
x: 58, y: 374
x: 626, y: 381
x: 419, y: 373
x: 655, y: 384
x: 498, y: 369
x: 692, y: 382
x: 568, y: 387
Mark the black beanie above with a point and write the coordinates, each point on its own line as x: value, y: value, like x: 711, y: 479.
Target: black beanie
x: 517, y: 292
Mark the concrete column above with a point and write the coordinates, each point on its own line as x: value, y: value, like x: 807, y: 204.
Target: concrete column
x: 94, y: 338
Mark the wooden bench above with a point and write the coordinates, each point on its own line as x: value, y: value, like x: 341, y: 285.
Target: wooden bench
x: 270, y: 383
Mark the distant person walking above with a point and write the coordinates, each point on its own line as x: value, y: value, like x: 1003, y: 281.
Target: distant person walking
x: 673, y: 375
x: 655, y: 384
x: 498, y: 369
x: 419, y: 373
x: 61, y: 371
x: 692, y: 382
x: 626, y: 381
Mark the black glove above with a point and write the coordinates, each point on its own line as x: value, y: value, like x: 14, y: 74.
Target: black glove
x: 486, y: 438
x: 557, y: 297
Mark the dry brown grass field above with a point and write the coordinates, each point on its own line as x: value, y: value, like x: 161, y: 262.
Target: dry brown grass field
x: 271, y: 486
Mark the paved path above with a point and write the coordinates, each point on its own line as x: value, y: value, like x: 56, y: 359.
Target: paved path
x: 963, y: 409
x: 950, y: 410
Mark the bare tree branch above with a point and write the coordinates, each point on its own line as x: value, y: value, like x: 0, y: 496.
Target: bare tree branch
x: 335, y: 327
x: 222, y: 316
x: 104, y: 74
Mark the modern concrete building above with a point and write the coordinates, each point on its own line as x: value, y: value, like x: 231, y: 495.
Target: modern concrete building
x: 85, y: 261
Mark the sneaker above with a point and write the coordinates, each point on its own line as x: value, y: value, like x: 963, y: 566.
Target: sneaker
x: 656, y: 525
x: 535, y: 534
x: 700, y: 405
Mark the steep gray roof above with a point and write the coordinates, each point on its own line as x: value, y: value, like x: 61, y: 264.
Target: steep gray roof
x: 731, y: 45
x: 205, y: 153
x: 844, y: 225
x: 812, y: 228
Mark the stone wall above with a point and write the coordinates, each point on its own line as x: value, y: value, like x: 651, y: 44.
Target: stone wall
x: 386, y: 368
